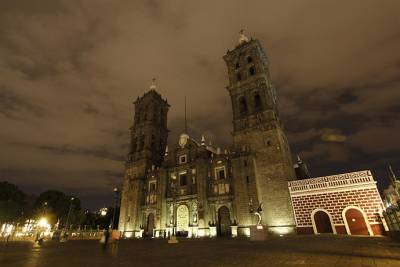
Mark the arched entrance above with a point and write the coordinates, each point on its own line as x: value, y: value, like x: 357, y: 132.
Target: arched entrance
x: 224, y: 222
x: 355, y: 222
x: 322, y: 223
x: 182, y: 220
x: 150, y: 225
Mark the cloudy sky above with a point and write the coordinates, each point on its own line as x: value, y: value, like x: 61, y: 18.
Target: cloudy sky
x: 70, y: 70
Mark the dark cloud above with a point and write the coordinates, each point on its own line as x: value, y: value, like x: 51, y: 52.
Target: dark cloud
x: 70, y: 70
x: 16, y: 107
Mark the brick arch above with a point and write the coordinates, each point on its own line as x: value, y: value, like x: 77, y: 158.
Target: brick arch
x: 330, y: 220
x: 346, y: 224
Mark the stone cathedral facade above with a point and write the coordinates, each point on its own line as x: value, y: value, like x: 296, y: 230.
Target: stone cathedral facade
x: 196, y: 189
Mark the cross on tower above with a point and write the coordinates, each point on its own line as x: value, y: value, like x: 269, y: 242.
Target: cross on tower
x: 153, y: 84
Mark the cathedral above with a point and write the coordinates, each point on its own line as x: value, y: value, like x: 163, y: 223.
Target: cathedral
x: 194, y: 189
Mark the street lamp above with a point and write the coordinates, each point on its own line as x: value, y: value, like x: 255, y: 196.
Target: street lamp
x: 172, y: 238
x: 103, y: 212
x: 116, y: 192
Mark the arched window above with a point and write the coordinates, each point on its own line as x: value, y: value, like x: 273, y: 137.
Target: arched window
x: 252, y: 70
x: 257, y: 102
x: 242, y: 106
x: 238, y: 77
x: 237, y: 65
x: 249, y: 59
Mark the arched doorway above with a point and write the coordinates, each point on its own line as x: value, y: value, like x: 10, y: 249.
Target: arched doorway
x: 150, y: 225
x: 224, y: 222
x: 322, y: 223
x: 182, y: 220
x: 355, y: 222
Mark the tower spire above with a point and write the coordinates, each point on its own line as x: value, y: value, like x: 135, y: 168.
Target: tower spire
x: 391, y: 174
x: 153, y: 85
x: 242, y: 37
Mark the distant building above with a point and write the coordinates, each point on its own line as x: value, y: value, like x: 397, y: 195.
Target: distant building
x: 196, y: 189
x: 391, y: 195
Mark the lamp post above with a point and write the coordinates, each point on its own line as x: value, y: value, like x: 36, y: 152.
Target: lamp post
x: 69, y: 213
x: 64, y: 235
x: 116, y: 193
x: 172, y: 238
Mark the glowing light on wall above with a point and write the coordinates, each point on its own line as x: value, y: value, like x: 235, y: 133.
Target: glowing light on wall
x: 201, y: 232
x: 128, y: 234
x: 281, y: 230
x: 213, y: 231
x: 246, y: 231
x: 234, y: 231
x: 195, y: 231
x: 190, y: 232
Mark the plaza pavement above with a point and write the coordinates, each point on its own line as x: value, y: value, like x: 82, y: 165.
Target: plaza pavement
x: 285, y: 251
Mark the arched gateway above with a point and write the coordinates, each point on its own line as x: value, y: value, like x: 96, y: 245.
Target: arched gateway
x: 182, y: 219
x: 355, y: 221
x: 150, y: 224
x: 224, y: 222
x: 322, y: 222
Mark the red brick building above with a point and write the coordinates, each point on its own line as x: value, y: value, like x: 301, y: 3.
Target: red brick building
x: 346, y: 203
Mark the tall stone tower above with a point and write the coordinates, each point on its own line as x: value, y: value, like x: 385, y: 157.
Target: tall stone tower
x: 258, y: 136
x: 149, y: 135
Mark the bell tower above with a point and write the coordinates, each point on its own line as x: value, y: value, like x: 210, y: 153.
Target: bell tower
x: 148, y: 134
x: 257, y: 129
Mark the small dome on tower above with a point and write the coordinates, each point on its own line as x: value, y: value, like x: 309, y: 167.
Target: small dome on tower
x: 243, y: 38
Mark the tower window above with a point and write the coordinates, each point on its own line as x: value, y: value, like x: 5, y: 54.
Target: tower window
x: 183, y: 179
x: 220, y: 173
x: 249, y: 59
x: 247, y: 179
x: 182, y: 159
x: 152, y: 186
x: 245, y: 163
x: 252, y: 70
x: 238, y: 77
x: 237, y: 65
x: 242, y: 106
x: 257, y: 102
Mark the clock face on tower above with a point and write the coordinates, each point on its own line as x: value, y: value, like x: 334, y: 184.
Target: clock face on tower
x: 183, y: 140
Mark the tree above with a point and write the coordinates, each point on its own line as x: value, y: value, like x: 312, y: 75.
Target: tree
x: 12, y: 202
x: 55, y: 205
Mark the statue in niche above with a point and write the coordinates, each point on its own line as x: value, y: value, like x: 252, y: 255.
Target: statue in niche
x: 194, y: 212
x: 256, y: 212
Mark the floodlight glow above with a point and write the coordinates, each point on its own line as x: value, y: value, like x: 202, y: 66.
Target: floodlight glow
x: 42, y: 222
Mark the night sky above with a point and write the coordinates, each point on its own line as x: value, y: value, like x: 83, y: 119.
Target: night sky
x: 70, y: 70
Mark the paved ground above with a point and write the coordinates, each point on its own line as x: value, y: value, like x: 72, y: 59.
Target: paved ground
x: 289, y: 251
